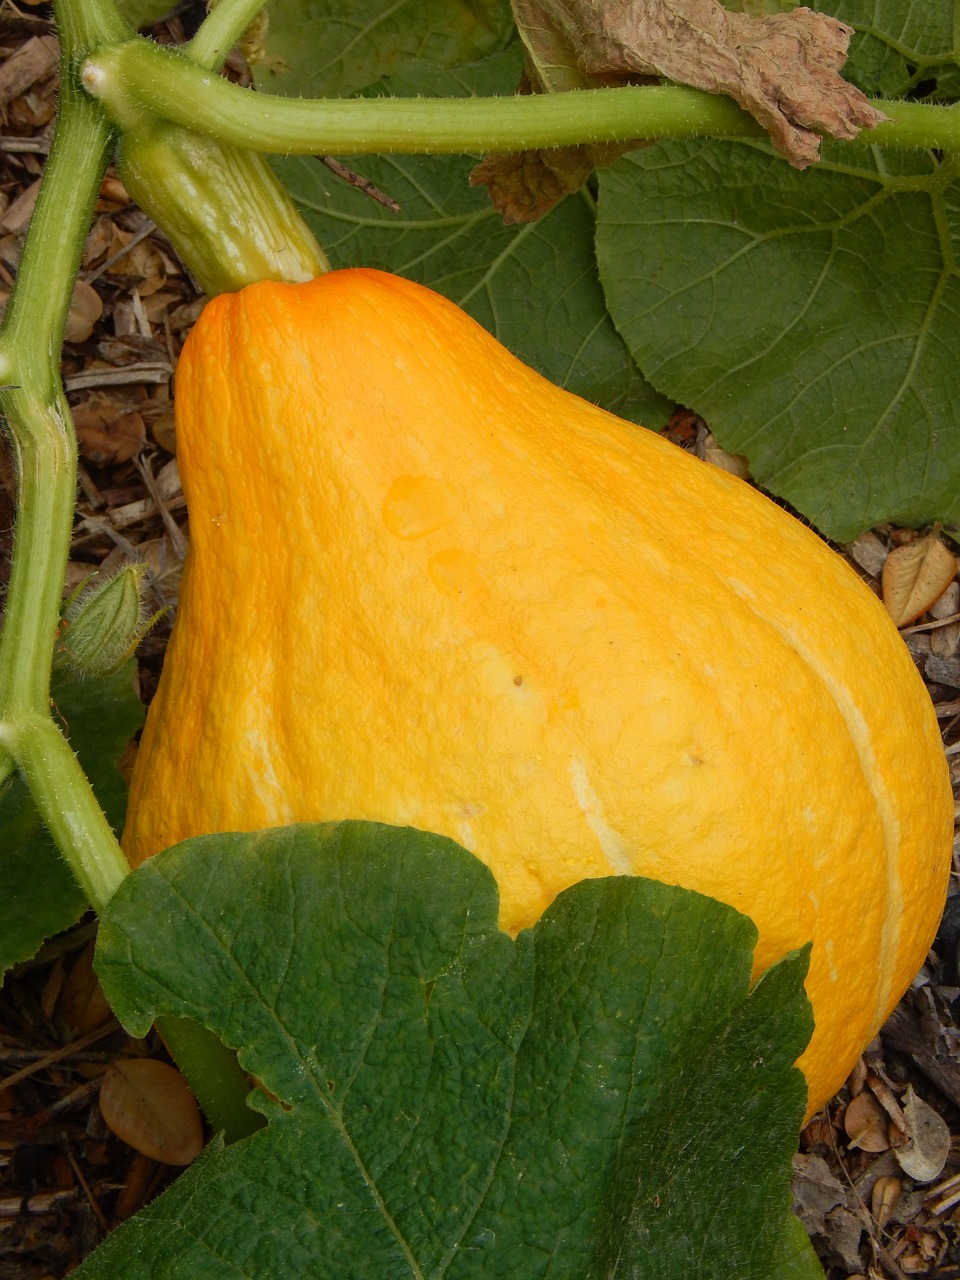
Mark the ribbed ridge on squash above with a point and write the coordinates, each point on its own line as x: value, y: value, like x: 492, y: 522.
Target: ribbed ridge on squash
x: 889, y: 941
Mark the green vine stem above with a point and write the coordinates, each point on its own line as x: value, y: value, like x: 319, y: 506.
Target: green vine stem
x: 168, y: 84
x: 220, y: 31
x: 44, y: 451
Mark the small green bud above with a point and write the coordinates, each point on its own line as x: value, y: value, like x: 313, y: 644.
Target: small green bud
x: 103, y: 623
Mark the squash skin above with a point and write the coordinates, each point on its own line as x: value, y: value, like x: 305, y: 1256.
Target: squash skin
x: 426, y: 587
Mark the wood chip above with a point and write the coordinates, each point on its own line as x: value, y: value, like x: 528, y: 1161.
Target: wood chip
x: 33, y: 61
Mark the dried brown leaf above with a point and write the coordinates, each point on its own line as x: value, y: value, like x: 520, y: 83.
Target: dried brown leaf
x: 20, y: 211
x: 883, y: 1199
x: 926, y: 1153
x: 866, y: 1125
x: 816, y: 1191
x: 101, y: 240
x: 525, y: 185
x: 108, y: 430
x: 915, y: 576
x: 148, y: 1105
x: 142, y: 263
x: 86, y: 308
x: 783, y: 68
x: 869, y: 553
x: 82, y: 1004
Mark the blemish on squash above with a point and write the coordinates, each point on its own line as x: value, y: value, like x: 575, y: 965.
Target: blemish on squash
x: 456, y: 573
x: 831, y: 961
x: 417, y: 505
x: 611, y: 842
x: 465, y: 812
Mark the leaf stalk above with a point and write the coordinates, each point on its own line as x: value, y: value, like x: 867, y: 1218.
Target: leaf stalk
x: 169, y: 84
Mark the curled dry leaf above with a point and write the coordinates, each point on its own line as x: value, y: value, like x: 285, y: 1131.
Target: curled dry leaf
x: 866, y: 1124
x: 735, y: 463
x: 883, y: 1200
x: 149, y: 1106
x: 82, y: 1004
x: 525, y: 185
x: 113, y: 195
x: 86, y: 308
x: 143, y: 263
x: 915, y: 576
x: 926, y: 1153
x: 783, y: 68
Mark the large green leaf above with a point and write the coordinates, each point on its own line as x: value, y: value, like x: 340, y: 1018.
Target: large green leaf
x: 899, y: 48
x: 41, y: 896
x: 810, y: 317
x: 604, y: 1096
x: 328, y: 49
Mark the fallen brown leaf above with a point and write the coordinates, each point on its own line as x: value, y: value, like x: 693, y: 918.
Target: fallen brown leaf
x: 82, y: 1004
x: 86, y: 308
x: 915, y: 576
x: 926, y: 1153
x: 883, y: 1199
x: 148, y: 1105
x: 866, y: 1125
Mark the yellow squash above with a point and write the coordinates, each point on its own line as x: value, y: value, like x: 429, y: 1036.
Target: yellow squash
x: 427, y: 587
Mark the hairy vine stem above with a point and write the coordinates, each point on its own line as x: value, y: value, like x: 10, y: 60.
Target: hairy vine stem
x: 168, y: 84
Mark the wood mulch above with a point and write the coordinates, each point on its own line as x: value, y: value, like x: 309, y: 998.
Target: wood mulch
x: 877, y: 1173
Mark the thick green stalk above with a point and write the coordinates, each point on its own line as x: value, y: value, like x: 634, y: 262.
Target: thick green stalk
x: 37, y: 415
x: 168, y: 84
x: 218, y: 1081
x: 83, y: 24
x: 67, y: 805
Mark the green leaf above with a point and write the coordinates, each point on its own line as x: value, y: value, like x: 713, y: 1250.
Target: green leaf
x: 534, y: 286
x: 40, y: 896
x: 798, y: 1259
x: 907, y: 49
x: 809, y: 317
x: 603, y: 1097
x: 897, y: 50
x: 321, y: 48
